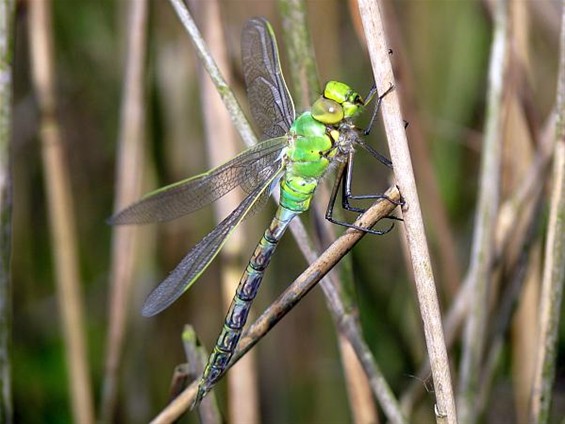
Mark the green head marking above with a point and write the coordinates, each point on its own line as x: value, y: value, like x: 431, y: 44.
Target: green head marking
x: 339, y: 101
x: 348, y: 98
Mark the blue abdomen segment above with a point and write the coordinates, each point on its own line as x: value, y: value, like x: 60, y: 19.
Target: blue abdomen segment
x: 241, y: 303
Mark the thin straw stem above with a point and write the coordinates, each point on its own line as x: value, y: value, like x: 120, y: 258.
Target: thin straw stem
x: 128, y: 188
x: 61, y: 214
x: 529, y: 188
x: 243, y: 393
x: 554, y: 266
x: 303, y: 73
x: 306, y: 85
x: 7, y: 9
x: 482, y: 252
x: 434, y: 206
x: 346, y: 321
x: 231, y: 103
x: 415, y: 235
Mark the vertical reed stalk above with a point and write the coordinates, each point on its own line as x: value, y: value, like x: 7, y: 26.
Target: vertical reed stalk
x: 61, y: 214
x: 303, y: 70
x: 243, y: 393
x: 415, y: 235
x: 482, y: 252
x: 434, y: 206
x: 304, y: 76
x: 554, y: 266
x: 129, y: 165
x: 7, y: 8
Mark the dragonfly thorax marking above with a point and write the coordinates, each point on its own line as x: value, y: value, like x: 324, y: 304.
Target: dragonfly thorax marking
x: 317, y: 138
x: 347, y: 139
x: 306, y: 161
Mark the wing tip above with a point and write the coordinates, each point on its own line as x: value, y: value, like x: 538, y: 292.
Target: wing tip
x: 114, y: 219
x: 149, y: 309
x: 156, y: 302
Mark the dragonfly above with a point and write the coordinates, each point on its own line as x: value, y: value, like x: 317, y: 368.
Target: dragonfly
x: 296, y: 153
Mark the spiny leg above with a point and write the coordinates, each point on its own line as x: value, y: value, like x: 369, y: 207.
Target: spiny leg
x: 341, y: 172
x: 371, y: 94
x: 377, y: 106
x: 349, y: 178
x: 347, y: 182
x: 378, y: 156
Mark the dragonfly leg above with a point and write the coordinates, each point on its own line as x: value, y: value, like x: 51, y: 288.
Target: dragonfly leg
x: 373, y: 152
x: 371, y: 94
x: 377, y: 106
x: 347, y: 192
x: 343, y: 175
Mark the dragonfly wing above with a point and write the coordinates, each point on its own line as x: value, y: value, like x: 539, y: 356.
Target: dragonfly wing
x: 249, y: 169
x: 262, y: 199
x: 269, y: 98
x: 200, y: 256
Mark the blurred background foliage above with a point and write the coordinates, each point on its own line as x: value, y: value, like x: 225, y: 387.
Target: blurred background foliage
x: 446, y: 45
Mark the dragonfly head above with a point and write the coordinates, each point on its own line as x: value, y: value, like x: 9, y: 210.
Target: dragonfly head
x: 350, y: 101
x: 338, y: 102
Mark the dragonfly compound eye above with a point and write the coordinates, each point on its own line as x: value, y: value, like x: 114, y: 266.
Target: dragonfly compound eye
x: 327, y: 111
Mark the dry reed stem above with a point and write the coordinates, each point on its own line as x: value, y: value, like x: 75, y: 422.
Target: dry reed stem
x: 434, y: 206
x: 7, y: 19
x: 230, y: 102
x: 128, y: 189
x: 358, y: 389
x: 61, y: 214
x: 304, y: 77
x: 506, y: 307
x: 482, y: 252
x: 508, y: 291
x: 415, y: 235
x: 554, y: 266
x: 243, y: 396
x: 346, y: 318
x: 196, y: 357
x: 529, y: 188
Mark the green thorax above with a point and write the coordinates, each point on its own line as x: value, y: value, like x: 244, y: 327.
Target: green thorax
x: 313, y: 137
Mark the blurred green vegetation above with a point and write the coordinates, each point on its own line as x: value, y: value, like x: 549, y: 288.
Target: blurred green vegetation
x: 446, y: 44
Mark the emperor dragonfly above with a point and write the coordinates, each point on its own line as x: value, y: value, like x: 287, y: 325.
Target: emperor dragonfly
x: 296, y: 154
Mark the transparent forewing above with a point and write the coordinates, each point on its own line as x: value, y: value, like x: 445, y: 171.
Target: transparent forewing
x: 249, y: 169
x: 269, y: 99
x: 200, y: 256
x: 249, y: 184
x: 262, y: 200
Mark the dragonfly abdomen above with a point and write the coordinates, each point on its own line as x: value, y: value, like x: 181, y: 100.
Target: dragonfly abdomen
x: 241, y: 303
